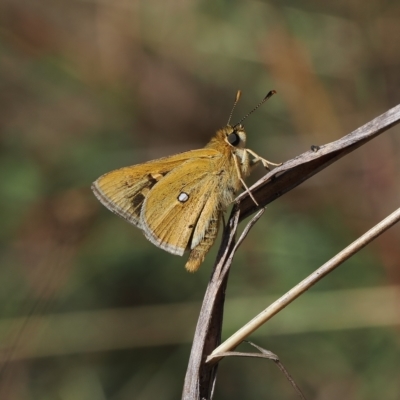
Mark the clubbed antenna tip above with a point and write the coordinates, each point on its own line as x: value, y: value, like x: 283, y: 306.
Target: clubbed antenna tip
x: 269, y: 94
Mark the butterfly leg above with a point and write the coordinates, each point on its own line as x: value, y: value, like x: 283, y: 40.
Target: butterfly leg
x: 245, y: 164
x: 258, y: 159
x: 197, y: 254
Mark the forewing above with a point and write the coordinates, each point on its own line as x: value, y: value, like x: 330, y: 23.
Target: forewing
x: 176, y: 213
x: 124, y: 190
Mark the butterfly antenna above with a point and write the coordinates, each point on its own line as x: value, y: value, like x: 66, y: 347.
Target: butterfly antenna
x: 237, y: 98
x: 270, y: 94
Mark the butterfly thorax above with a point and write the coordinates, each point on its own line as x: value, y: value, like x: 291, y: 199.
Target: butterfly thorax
x: 231, y: 166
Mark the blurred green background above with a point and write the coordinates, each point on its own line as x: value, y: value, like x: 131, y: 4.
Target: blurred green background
x: 89, y: 308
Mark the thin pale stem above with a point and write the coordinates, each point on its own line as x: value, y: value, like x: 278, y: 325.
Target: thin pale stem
x: 304, y: 285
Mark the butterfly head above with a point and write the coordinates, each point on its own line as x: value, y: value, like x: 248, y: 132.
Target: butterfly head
x: 235, y: 136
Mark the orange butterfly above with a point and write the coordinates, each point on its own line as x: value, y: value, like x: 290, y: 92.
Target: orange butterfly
x: 178, y: 201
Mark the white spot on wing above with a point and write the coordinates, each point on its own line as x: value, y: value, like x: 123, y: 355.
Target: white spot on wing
x: 183, y: 197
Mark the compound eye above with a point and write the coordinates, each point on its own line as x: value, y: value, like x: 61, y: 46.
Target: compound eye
x: 233, y: 139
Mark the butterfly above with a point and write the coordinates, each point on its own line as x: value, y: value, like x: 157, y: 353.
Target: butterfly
x: 178, y: 201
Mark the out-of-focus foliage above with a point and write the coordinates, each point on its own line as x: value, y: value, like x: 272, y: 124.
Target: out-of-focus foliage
x: 88, y: 306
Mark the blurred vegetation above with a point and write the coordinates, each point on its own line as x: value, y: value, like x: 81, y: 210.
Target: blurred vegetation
x: 88, y: 305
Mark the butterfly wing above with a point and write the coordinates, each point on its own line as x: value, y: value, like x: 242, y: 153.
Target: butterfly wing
x: 124, y: 190
x: 178, y: 210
